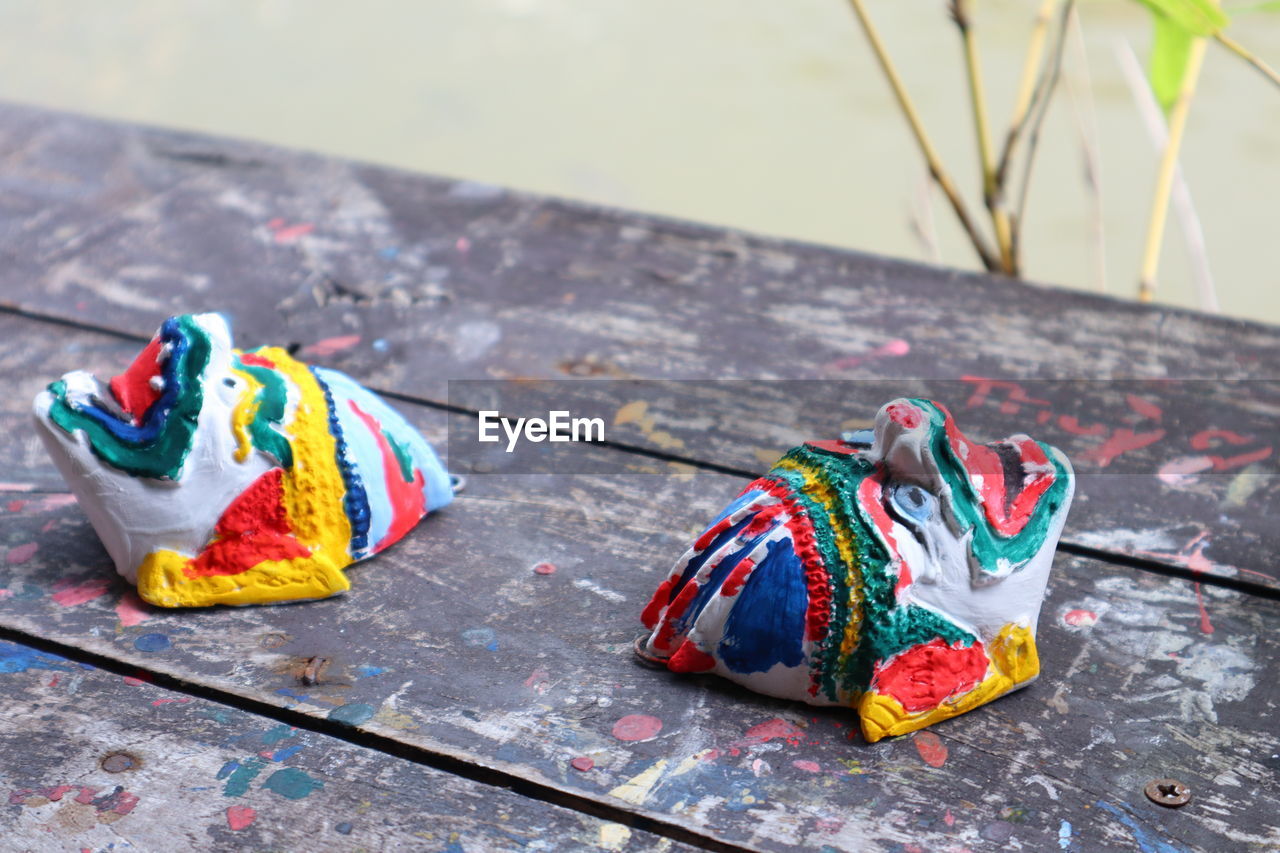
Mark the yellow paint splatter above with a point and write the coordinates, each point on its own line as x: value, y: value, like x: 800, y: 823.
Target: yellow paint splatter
x: 631, y: 413
x: 614, y: 836
x: 638, y: 788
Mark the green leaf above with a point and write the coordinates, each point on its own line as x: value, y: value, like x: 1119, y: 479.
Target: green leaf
x: 1170, y: 50
x: 1196, y: 17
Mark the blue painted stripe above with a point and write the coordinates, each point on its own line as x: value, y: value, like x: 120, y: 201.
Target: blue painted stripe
x: 154, y: 418
x: 355, y: 501
x: 365, y: 455
x: 766, y: 625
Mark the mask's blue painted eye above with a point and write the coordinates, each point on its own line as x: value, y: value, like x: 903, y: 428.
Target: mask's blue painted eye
x: 912, y: 503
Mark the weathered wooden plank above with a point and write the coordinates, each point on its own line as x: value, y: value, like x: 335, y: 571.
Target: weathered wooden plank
x: 1166, y: 471
x: 453, y: 643
x: 121, y: 225
x: 97, y: 761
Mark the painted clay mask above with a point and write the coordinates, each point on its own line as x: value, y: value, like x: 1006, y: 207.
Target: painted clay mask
x: 215, y: 476
x: 899, y: 573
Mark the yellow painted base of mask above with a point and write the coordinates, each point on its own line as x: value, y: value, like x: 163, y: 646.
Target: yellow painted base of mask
x: 1014, y: 663
x: 162, y: 581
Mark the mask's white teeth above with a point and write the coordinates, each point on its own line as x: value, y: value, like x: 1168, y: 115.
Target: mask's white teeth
x: 156, y: 382
x: 100, y: 395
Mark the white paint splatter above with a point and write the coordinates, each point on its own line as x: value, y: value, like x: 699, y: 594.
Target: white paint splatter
x: 592, y: 586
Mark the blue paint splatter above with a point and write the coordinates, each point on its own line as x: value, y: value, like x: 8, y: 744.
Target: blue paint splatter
x: 381, y: 345
x: 298, y: 697
x: 343, y: 828
x: 1064, y: 835
x: 275, y: 734
x: 16, y: 658
x: 352, y: 713
x: 479, y: 637
x: 291, y: 783
x: 239, y: 778
x: 365, y: 671
x: 152, y: 643
x: 227, y: 769
x: 287, y: 752
x: 1147, y: 842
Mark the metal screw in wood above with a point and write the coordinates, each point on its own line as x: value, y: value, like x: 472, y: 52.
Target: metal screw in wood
x: 1169, y: 793
x: 118, y: 762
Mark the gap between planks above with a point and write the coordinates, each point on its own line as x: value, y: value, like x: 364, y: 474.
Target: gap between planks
x: 1115, y: 558
x: 452, y: 764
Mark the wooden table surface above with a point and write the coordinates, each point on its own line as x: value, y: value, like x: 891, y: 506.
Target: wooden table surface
x: 464, y: 691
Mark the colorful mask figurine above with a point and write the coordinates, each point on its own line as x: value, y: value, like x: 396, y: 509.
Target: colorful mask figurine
x: 215, y: 476
x: 899, y: 572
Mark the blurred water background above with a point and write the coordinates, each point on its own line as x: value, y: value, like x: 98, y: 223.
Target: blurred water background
x: 769, y: 115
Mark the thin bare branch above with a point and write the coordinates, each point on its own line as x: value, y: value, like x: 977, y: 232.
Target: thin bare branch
x: 1028, y: 83
x: 1087, y: 124
x: 1050, y: 75
x: 991, y: 195
x: 1248, y: 56
x: 934, y: 162
x: 1170, y: 171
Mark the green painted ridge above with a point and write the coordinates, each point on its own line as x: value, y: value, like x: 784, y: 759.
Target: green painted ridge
x: 163, y: 457
x: 271, y: 399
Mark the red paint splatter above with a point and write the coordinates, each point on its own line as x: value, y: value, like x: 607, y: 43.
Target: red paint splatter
x: 69, y: 594
x: 463, y: 245
x: 1120, y: 442
x: 131, y: 610
x: 16, y: 506
x: 1206, y: 627
x: 134, y: 681
x: 538, y: 680
x: 329, y: 346
x: 1193, y: 557
x: 287, y: 234
x: 924, y: 675
x: 240, y: 817
x: 1143, y: 407
x: 775, y: 728
x: 949, y: 819
x: 894, y: 348
x: 931, y: 749
x: 1208, y: 438
x: 544, y: 568
x: 583, y: 763
x: 905, y: 414
x: 634, y: 727
x: 807, y: 766
x: 21, y: 553
x: 1081, y: 618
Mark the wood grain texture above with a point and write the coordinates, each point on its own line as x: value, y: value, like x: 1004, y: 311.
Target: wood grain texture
x: 451, y: 643
x: 189, y: 774
x: 433, y: 279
